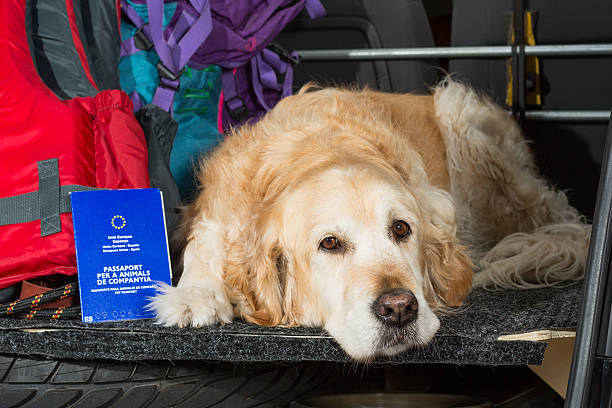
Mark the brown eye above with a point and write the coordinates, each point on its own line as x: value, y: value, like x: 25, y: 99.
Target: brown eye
x: 400, y: 229
x: 330, y: 244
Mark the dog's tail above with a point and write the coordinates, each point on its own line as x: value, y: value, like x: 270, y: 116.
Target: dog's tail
x: 546, y: 256
x: 520, y: 230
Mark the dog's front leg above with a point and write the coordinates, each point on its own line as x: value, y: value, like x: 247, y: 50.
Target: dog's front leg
x: 200, y: 298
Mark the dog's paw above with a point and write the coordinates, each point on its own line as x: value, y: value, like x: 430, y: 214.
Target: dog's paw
x: 190, y: 306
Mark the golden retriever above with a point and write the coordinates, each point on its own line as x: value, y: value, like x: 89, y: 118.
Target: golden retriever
x: 366, y: 213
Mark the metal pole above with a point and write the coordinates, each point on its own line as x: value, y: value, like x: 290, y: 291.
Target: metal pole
x: 496, y: 51
x: 518, y: 62
x: 583, y: 371
x: 568, y: 116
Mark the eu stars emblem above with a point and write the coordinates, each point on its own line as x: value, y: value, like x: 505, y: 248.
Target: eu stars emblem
x: 118, y: 222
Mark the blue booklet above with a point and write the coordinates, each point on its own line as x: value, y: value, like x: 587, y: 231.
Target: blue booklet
x: 122, y: 251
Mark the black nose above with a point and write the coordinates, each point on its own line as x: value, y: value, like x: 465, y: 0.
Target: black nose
x: 396, y: 308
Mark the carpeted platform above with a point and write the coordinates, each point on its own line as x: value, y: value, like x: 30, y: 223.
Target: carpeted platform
x: 466, y: 337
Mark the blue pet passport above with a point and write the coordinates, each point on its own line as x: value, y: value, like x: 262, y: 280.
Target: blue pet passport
x: 122, y: 252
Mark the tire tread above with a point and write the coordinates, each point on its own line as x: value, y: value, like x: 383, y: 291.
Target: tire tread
x: 29, y: 382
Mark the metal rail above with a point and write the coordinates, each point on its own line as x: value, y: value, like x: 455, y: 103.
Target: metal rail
x: 501, y: 51
x: 585, y: 377
x: 497, y: 51
x: 569, y: 116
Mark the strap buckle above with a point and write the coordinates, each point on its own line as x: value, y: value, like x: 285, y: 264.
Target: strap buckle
x: 167, y: 78
x: 141, y: 41
x: 166, y: 73
x: 240, y: 113
x: 283, y: 54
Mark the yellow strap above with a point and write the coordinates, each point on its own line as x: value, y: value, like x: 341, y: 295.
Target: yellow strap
x: 532, y: 64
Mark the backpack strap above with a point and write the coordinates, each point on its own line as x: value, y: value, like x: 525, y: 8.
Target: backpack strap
x: 191, y: 28
x: 232, y: 101
x: 314, y: 8
x: 45, y: 204
x: 272, y: 68
x: 190, y: 31
x: 141, y: 40
x: 174, y: 57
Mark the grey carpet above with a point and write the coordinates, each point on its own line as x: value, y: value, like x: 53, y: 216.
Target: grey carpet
x: 468, y: 336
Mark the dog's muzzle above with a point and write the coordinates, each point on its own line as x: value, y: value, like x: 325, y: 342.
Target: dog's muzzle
x: 396, y: 308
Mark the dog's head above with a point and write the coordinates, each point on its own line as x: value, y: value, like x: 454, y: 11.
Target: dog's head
x: 344, y: 240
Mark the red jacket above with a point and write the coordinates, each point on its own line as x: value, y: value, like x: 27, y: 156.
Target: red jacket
x: 96, y: 140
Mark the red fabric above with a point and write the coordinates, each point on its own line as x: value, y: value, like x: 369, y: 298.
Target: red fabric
x: 118, y: 7
x: 97, y: 141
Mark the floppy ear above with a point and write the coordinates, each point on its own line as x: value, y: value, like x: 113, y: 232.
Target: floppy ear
x: 265, y: 284
x: 256, y: 277
x: 448, y: 269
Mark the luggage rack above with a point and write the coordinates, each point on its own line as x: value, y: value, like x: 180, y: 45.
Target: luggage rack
x: 501, y: 51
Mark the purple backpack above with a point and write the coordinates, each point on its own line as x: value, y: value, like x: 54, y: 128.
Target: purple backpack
x: 234, y: 34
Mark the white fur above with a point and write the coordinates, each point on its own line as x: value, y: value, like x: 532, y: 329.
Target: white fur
x: 345, y: 164
x: 519, y: 231
x: 339, y: 279
x: 200, y: 298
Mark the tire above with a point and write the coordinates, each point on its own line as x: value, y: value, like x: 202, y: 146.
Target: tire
x: 32, y: 382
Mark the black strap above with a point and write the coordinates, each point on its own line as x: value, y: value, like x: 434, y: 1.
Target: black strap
x: 48, y: 197
x: 518, y: 61
x: 233, y: 103
x: 46, y: 204
x: 52, y: 46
